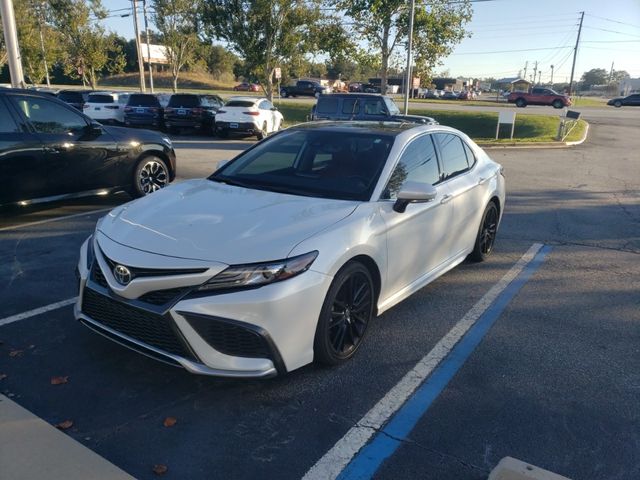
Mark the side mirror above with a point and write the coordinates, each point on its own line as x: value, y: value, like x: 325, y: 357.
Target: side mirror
x: 414, y: 192
x: 94, y: 128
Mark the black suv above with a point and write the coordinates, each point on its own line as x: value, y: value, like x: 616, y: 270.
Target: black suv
x: 189, y: 110
x: 49, y: 149
x: 143, y: 110
x: 75, y: 98
x: 362, y: 106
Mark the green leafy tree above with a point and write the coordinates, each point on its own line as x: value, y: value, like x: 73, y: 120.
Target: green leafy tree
x: 176, y: 20
x: 265, y: 33
x: 89, y: 51
x: 595, y: 76
x: 438, y: 26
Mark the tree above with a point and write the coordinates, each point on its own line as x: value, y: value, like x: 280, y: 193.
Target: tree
x: 176, y: 22
x: 88, y: 50
x: 265, y: 33
x: 438, y: 25
x: 595, y: 76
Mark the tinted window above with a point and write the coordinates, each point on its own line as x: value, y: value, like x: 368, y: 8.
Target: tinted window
x: 327, y: 105
x: 138, y: 100
x: 240, y: 103
x: 7, y: 124
x: 100, y: 98
x: 418, y: 163
x: 71, y: 97
x: 186, y: 101
x: 49, y: 117
x: 471, y: 158
x: 374, y: 107
x: 316, y: 163
x: 453, y: 156
x: 350, y: 106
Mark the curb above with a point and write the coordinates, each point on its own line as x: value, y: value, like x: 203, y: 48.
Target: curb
x: 534, y: 145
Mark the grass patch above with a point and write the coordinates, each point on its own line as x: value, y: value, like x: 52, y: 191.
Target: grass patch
x: 588, y: 102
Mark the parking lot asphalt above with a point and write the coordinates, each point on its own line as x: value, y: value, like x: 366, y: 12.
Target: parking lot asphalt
x: 554, y: 382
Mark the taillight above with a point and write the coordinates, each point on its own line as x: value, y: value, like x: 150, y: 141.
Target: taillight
x: 168, y: 110
x: 196, y: 111
x: 253, y: 114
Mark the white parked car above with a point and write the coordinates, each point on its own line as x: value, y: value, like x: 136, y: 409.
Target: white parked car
x: 248, y: 115
x: 106, y: 107
x: 284, y: 255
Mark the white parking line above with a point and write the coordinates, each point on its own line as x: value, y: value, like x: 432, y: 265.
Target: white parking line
x: 37, y: 311
x: 336, y: 459
x: 48, y: 220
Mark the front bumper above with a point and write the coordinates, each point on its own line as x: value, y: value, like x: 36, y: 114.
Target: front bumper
x: 248, y: 334
x: 240, y: 127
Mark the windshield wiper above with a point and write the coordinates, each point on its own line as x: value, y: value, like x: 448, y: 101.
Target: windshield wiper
x: 229, y: 181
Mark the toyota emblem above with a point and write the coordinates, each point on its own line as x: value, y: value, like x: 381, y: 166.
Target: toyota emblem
x: 122, y: 274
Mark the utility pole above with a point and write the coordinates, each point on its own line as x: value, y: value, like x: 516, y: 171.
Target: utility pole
x: 409, y: 82
x: 146, y: 32
x: 526, y: 65
x: 611, y: 73
x: 551, y: 76
x: 575, y: 54
x: 40, y: 8
x: 535, y: 71
x: 11, y: 41
x: 138, y: 50
x: 539, y: 76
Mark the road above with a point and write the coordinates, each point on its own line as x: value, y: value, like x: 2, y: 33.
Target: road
x: 554, y: 382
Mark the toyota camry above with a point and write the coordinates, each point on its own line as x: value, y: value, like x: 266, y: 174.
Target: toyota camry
x: 285, y: 254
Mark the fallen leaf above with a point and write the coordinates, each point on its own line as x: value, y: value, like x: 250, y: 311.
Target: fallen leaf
x: 15, y: 353
x: 59, y: 380
x: 64, y: 425
x: 169, y: 422
x: 160, y: 469
x: 3, y: 376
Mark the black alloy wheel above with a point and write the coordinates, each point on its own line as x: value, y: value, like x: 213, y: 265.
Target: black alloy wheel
x: 151, y: 174
x: 617, y: 104
x: 345, y: 315
x: 264, y: 132
x: 521, y: 103
x: 487, y: 234
x: 558, y: 104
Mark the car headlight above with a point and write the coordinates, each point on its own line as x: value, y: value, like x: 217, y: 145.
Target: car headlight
x: 258, y: 274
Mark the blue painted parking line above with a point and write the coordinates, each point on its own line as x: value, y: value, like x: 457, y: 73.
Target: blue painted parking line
x: 365, y: 464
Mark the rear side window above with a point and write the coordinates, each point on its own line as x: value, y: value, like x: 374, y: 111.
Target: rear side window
x: 418, y: 163
x: 71, y: 97
x: 49, y: 117
x: 327, y: 105
x: 98, y: 98
x: 350, y: 106
x: 187, y: 101
x: 453, y: 156
x: 240, y: 103
x: 7, y: 124
x: 138, y: 100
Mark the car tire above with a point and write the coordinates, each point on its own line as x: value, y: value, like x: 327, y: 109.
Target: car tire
x: 345, y: 315
x: 486, y: 237
x: 151, y: 174
x: 521, y: 103
x: 264, y: 132
x: 617, y: 104
x: 557, y: 104
x: 223, y: 133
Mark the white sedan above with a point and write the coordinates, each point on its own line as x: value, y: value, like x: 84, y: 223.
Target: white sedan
x: 284, y: 255
x: 248, y: 115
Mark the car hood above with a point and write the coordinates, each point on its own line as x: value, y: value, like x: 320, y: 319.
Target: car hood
x: 205, y: 220
x: 414, y: 119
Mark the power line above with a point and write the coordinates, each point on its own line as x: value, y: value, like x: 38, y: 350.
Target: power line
x: 611, y: 41
x: 511, y: 51
x: 613, y: 21
x: 611, y: 31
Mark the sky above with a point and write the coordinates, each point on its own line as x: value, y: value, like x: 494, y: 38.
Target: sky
x: 507, y: 33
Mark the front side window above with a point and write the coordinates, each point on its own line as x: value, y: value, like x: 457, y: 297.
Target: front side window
x: 453, y: 156
x: 418, y: 163
x: 49, y: 117
x: 391, y: 106
x: 7, y: 124
x: 374, y: 107
x: 327, y: 105
x: 316, y: 163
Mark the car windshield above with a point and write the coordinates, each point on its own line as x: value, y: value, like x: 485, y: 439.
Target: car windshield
x: 316, y: 163
x: 138, y: 100
x: 240, y: 103
x: 391, y: 106
x: 187, y: 101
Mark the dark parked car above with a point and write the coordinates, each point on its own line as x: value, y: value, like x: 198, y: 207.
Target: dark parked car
x: 362, y: 106
x: 143, y: 110
x: 303, y: 88
x: 49, y: 149
x: 628, y: 101
x: 75, y: 98
x: 189, y: 110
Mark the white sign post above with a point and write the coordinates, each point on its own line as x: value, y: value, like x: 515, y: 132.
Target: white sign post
x: 506, y: 117
x: 278, y: 74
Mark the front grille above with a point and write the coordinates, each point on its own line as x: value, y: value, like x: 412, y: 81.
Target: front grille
x: 154, y: 272
x: 97, y: 275
x: 229, y: 337
x: 149, y: 328
x: 161, y: 297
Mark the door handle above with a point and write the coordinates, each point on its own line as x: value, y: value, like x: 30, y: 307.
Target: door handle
x: 446, y: 198
x: 51, y: 150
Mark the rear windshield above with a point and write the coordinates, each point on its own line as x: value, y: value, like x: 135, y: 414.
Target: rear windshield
x: 240, y: 103
x: 187, y: 101
x: 138, y: 100
x: 71, y: 97
x: 327, y: 105
x: 97, y: 98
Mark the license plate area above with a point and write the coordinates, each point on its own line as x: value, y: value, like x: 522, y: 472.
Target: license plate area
x: 182, y: 111
x: 233, y: 125
x: 139, y: 110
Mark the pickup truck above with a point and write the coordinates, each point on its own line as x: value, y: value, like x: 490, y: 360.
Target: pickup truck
x: 303, y: 88
x: 539, y: 96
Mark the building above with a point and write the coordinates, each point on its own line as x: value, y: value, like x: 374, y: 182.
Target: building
x: 512, y: 84
x: 452, y: 84
x: 629, y: 85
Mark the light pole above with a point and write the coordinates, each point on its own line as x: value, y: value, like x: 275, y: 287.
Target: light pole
x: 146, y: 32
x: 11, y: 41
x: 138, y: 50
x: 409, y: 83
x: 551, y: 76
